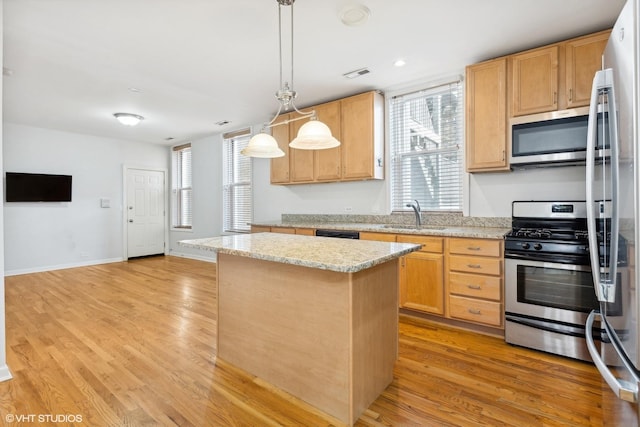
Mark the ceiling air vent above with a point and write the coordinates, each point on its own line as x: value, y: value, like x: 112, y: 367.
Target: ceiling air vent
x: 356, y: 73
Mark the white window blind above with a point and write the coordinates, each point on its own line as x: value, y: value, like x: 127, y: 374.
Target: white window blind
x: 237, y: 203
x: 426, y: 148
x: 181, y: 191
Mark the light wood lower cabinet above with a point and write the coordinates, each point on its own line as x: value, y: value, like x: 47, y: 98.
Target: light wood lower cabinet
x: 421, y: 275
x: 475, y: 278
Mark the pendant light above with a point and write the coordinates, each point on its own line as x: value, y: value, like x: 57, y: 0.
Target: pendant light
x: 313, y: 135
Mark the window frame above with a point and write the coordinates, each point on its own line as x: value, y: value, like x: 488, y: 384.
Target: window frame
x: 396, y: 156
x: 237, y: 183
x: 178, y: 190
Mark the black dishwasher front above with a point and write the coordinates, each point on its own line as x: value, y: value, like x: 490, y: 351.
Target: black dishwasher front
x: 340, y: 234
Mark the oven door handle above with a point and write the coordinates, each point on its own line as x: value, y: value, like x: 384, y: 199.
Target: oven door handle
x: 623, y: 389
x: 604, y: 279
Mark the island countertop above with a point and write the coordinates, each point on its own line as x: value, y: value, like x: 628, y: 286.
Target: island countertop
x: 325, y: 253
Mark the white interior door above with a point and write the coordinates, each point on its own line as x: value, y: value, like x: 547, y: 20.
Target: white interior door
x: 145, y: 212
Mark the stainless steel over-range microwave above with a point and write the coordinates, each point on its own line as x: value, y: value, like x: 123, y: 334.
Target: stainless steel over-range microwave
x: 555, y: 138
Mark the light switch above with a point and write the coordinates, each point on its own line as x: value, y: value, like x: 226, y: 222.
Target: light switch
x: 105, y: 203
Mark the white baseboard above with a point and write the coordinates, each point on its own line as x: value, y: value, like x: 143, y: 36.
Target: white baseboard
x: 212, y: 259
x: 4, y: 373
x: 61, y: 266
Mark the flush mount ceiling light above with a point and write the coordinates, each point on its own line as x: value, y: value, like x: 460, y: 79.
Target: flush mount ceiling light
x: 354, y: 14
x: 313, y: 135
x: 128, y: 119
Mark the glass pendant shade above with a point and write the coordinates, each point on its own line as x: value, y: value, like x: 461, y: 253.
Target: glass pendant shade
x: 314, y: 135
x: 262, y: 145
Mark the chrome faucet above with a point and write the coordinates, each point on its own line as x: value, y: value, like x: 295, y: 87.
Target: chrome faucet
x: 416, y: 209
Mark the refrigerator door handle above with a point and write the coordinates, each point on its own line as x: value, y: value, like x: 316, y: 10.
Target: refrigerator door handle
x: 603, y: 279
x: 623, y: 389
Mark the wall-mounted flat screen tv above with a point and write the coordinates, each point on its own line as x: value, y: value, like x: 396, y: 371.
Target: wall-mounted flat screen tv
x: 37, y: 187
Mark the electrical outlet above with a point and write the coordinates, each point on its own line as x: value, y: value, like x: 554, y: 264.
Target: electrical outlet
x: 348, y: 209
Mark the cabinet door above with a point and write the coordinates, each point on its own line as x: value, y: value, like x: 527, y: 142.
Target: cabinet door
x: 328, y: 162
x: 487, y: 116
x: 534, y: 80
x: 421, y: 282
x: 583, y: 59
x: 280, y: 165
x: 357, y: 136
x: 301, y: 160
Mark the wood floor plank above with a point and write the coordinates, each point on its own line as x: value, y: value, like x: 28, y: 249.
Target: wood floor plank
x: 133, y: 344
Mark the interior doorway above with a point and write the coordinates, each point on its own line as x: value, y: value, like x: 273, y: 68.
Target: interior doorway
x: 146, y: 223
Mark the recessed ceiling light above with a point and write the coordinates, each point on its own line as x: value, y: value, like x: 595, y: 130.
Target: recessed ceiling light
x: 400, y: 63
x: 354, y: 14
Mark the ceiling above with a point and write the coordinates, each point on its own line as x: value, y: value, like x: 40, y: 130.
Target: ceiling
x: 187, y: 65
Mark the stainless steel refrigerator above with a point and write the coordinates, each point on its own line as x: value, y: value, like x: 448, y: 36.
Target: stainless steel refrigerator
x: 612, y: 175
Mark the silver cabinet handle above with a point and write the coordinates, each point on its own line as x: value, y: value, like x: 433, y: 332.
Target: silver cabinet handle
x: 474, y: 311
x: 474, y: 266
x: 476, y: 287
x: 473, y: 248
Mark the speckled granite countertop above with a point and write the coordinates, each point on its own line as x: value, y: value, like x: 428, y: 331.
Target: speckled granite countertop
x: 444, y: 230
x: 325, y: 253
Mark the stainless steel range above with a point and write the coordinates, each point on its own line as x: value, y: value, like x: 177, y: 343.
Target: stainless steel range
x: 548, y: 282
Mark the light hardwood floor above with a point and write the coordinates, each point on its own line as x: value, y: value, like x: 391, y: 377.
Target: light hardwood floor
x: 133, y: 344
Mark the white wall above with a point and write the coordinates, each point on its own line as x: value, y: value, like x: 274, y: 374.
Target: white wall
x: 4, y: 369
x: 45, y: 236
x: 491, y: 194
x: 207, y: 197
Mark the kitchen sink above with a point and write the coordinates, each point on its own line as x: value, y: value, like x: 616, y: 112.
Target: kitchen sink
x: 413, y: 227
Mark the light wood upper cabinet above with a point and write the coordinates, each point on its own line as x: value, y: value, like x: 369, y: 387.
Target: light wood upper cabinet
x: 301, y: 162
x: 280, y: 165
x: 534, y: 81
x: 328, y: 162
x: 486, y: 116
x: 362, y: 136
x: 357, y: 122
x: 583, y: 57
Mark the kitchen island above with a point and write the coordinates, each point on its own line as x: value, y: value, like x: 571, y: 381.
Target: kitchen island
x: 316, y: 317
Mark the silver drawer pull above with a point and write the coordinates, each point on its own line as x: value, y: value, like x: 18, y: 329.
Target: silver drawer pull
x: 474, y: 266
x: 477, y: 287
x: 474, y: 311
x: 473, y: 248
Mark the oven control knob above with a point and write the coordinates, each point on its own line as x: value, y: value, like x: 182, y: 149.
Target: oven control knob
x: 537, y: 246
x: 526, y: 246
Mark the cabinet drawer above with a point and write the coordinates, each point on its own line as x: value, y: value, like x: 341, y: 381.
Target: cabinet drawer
x: 480, y: 311
x: 479, y: 265
x: 429, y: 244
x: 382, y: 237
x: 480, y: 247
x: 477, y: 286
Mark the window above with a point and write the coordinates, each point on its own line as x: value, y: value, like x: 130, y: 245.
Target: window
x: 181, y: 187
x: 426, y: 148
x: 237, y: 204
